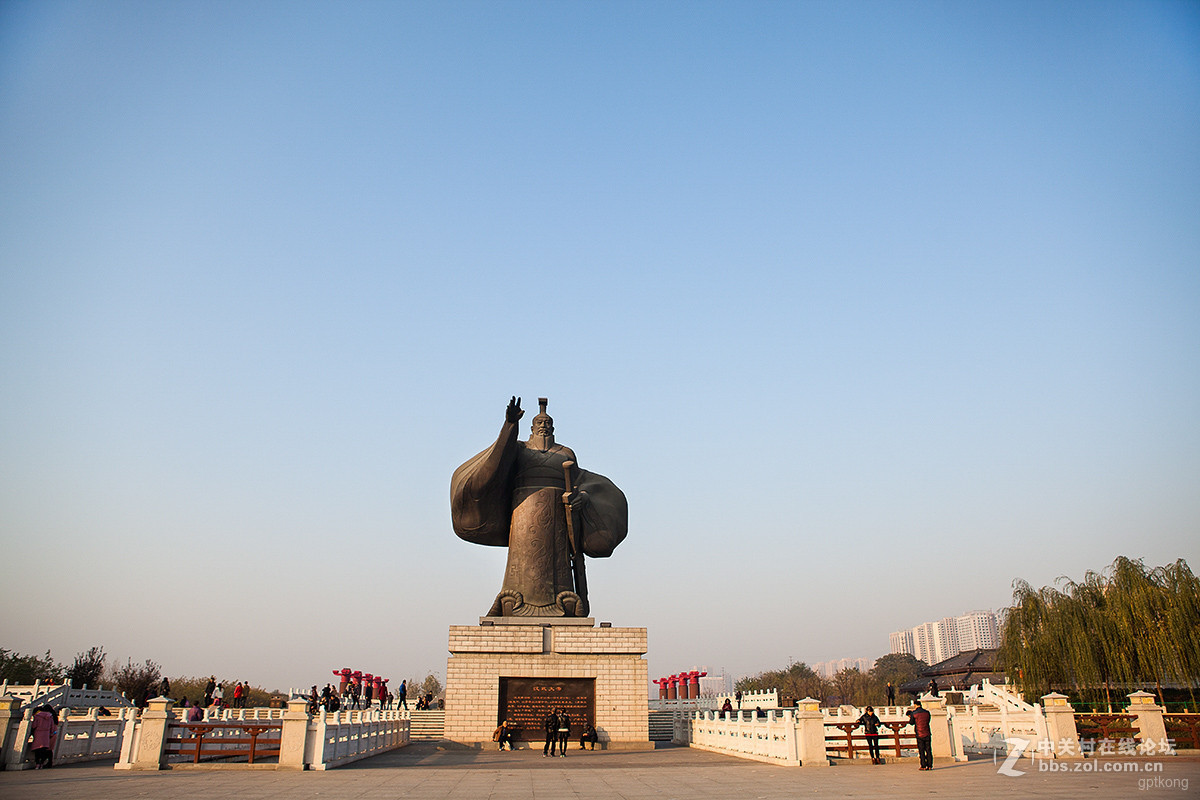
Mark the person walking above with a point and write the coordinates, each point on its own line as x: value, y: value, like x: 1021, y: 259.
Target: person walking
x: 402, y: 695
x: 870, y: 725
x: 564, y: 732
x: 550, y: 723
x: 918, y: 717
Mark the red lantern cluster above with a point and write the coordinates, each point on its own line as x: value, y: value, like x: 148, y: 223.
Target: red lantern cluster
x: 683, y: 686
x: 364, y: 682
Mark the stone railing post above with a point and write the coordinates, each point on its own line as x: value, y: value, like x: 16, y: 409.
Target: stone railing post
x: 18, y: 751
x: 10, y: 722
x: 810, y: 734
x: 939, y: 726
x: 152, y: 739
x: 1149, y: 717
x: 293, y: 740
x: 1060, y: 726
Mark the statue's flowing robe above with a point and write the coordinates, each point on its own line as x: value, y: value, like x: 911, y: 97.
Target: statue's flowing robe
x: 510, y: 495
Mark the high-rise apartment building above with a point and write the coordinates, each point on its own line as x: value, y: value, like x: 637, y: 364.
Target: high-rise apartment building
x: 978, y: 630
x: 932, y: 642
x: 902, y: 642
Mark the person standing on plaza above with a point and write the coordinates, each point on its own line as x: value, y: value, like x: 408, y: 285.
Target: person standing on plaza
x: 237, y: 695
x: 551, y: 726
x: 891, y: 694
x: 208, y: 690
x: 918, y: 717
x: 564, y: 732
x: 870, y: 725
x: 218, y: 695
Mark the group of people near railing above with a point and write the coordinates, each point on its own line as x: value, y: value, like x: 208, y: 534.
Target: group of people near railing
x: 918, y: 718
x: 355, y: 696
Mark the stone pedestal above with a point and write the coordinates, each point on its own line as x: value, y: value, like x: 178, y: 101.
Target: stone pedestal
x: 560, y: 651
x: 293, y: 738
x: 1060, y: 726
x: 1149, y: 718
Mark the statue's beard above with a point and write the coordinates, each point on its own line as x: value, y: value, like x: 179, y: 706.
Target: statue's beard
x: 541, y: 441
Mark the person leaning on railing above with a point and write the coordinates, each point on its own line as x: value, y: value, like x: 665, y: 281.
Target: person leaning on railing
x: 870, y: 725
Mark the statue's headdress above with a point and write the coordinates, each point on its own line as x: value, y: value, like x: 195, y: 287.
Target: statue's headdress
x: 542, y: 441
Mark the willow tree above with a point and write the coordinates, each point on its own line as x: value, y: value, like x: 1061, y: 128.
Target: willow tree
x: 1123, y: 627
x: 1182, y: 615
x: 1032, y: 641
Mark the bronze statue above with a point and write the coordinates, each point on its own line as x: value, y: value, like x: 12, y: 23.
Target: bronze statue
x: 534, y: 499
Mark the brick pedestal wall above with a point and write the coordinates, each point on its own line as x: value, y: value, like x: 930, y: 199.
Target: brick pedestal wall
x: 482, y: 654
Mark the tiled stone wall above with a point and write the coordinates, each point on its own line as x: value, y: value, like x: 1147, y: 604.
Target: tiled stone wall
x: 481, y: 655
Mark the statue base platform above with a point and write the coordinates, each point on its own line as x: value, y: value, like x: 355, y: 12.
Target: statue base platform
x: 519, y: 668
x: 587, y: 622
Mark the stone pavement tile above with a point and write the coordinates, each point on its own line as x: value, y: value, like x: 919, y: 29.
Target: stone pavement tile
x: 423, y: 772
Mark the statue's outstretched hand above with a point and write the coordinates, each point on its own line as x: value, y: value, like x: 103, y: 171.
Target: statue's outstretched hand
x: 514, y: 412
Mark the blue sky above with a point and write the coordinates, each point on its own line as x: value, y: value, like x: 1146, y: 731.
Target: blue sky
x: 870, y: 308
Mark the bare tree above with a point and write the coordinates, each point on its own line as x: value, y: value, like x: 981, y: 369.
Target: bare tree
x: 138, y: 681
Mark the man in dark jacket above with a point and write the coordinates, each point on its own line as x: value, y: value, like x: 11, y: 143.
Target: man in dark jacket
x: 551, y: 724
x: 918, y: 717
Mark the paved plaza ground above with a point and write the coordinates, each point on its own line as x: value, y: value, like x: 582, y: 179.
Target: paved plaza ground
x: 425, y: 772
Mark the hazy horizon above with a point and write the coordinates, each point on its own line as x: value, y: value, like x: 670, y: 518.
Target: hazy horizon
x: 868, y: 308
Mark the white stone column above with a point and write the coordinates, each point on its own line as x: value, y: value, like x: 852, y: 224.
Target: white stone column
x: 152, y: 739
x: 12, y: 749
x: 1060, y: 726
x: 810, y: 734
x: 1149, y: 717
x: 294, y: 737
x: 939, y: 726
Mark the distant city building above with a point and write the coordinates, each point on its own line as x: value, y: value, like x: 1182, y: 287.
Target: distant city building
x: 827, y: 669
x: 978, y: 630
x: 932, y: 642
x: 902, y: 642
x: 713, y: 685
